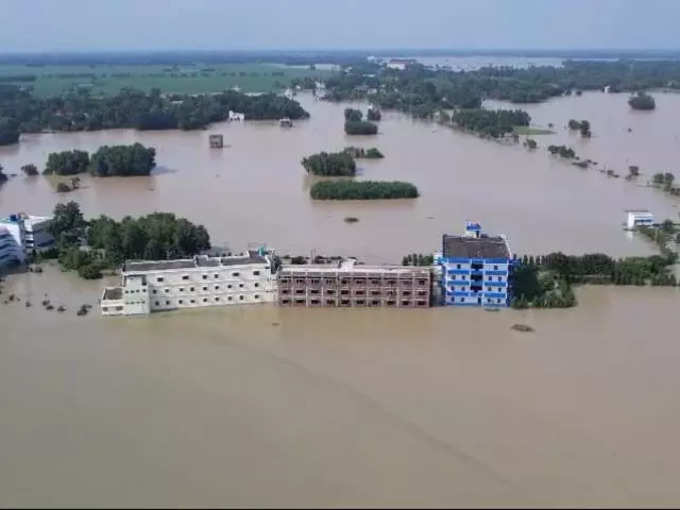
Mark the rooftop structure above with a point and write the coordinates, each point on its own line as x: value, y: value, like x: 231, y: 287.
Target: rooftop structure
x: 400, y: 63
x: 285, y: 122
x: 475, y: 268
x: 149, y: 286
x: 236, y: 116
x: 348, y: 284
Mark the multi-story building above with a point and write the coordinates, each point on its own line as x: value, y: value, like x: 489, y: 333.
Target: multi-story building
x: 21, y: 234
x: 150, y: 286
x: 349, y: 284
x: 475, y: 269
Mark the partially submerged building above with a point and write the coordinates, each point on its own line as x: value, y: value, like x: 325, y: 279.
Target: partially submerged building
x: 21, y: 234
x: 638, y: 218
x: 347, y: 284
x: 216, y: 141
x: 150, y: 286
x: 475, y: 268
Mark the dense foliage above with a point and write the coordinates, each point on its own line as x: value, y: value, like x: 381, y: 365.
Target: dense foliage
x: 330, y: 163
x: 122, y: 160
x: 360, y: 127
x: 642, y: 101
x: 3, y: 176
x: 361, y: 153
x: 494, y: 123
x: 417, y: 259
x: 353, y: 115
x: 20, y: 112
x: 109, y: 242
x: 373, y: 114
x: 582, y: 126
x: 362, y: 190
x: 30, y: 169
x: 67, y: 162
x: 562, y: 150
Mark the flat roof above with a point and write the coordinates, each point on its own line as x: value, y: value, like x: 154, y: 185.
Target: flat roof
x: 475, y: 247
x: 132, y: 266
x: 158, y: 265
x: 113, y: 293
x: 331, y: 268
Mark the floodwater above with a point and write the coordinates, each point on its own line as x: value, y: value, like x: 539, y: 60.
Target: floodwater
x: 262, y: 405
x: 255, y: 190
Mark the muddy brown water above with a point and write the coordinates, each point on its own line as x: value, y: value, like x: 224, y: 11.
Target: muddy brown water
x: 292, y: 407
x: 255, y: 190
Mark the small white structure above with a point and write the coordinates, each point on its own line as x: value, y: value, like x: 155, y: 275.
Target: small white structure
x: 149, y: 286
x: 289, y: 93
x: 285, y: 122
x: 400, y: 64
x: 638, y: 218
x: 236, y: 116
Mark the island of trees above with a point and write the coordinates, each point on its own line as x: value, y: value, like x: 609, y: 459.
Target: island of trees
x: 362, y: 190
x: 562, y: 150
x: 582, y: 126
x: 354, y: 125
x: 330, y: 163
x: 123, y: 160
x: 493, y: 123
x: 103, y: 243
x: 20, y: 112
x: 642, y: 101
x: 361, y: 153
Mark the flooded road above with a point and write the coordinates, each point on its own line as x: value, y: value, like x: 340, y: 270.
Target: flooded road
x: 262, y: 405
x: 255, y: 190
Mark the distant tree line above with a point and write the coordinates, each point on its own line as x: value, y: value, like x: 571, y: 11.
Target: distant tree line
x: 330, y: 163
x: 20, y: 112
x: 417, y: 259
x: 362, y: 190
x: 120, y: 160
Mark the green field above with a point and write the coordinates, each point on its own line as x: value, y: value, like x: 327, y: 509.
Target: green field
x: 526, y: 130
x: 186, y: 79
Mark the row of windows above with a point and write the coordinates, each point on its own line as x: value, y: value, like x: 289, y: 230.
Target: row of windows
x: 488, y: 300
x: 495, y: 267
x: 216, y: 276
x: 488, y: 289
x: 205, y: 288
x: 356, y: 292
x: 216, y: 299
x: 464, y: 277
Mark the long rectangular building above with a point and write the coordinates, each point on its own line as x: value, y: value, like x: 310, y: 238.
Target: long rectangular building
x: 348, y: 284
x: 150, y: 286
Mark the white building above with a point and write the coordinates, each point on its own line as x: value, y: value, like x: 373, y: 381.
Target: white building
x: 638, y: 218
x: 400, y: 64
x: 237, y: 116
x: 21, y: 234
x: 150, y: 286
x: 289, y: 93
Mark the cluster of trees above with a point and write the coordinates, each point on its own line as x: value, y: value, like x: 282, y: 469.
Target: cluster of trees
x: 330, y: 163
x: 360, y: 127
x: 494, y: 123
x: 664, y: 179
x: 355, y: 125
x: 642, y: 101
x: 373, y: 114
x: 530, y: 143
x: 562, y: 150
x: 360, y: 152
x: 30, y: 170
x: 544, y: 289
x: 583, y: 127
x: 67, y: 162
x: 362, y: 190
x: 3, y: 176
x: 90, y: 247
x: 20, y: 112
x: 123, y: 160
x: 417, y: 259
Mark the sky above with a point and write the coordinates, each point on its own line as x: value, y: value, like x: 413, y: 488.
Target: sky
x: 123, y: 25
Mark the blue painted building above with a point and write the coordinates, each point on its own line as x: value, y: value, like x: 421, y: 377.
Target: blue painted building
x: 475, y: 269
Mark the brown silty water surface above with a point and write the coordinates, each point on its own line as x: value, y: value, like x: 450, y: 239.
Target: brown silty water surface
x: 255, y: 190
x: 262, y: 405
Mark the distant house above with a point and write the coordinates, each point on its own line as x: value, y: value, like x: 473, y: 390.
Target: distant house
x: 639, y: 218
x: 289, y: 93
x: 400, y: 64
x: 285, y: 122
x: 216, y: 141
x: 236, y: 116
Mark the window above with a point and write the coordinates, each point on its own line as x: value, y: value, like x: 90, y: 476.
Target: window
x: 217, y: 276
x: 159, y: 279
x: 155, y: 291
x: 180, y: 301
x: 457, y: 266
x: 256, y: 273
x: 205, y: 288
x: 256, y: 296
x: 240, y: 285
x: 498, y: 300
x: 205, y: 300
x: 229, y: 286
x: 500, y: 278
x: 119, y: 308
x: 167, y: 291
x: 105, y: 309
x: 181, y: 289
x: 205, y: 276
x: 157, y: 303
x: 192, y: 289
x: 495, y: 268
x: 256, y: 284
x: 217, y: 287
x: 185, y: 277
x: 234, y: 274
x: 217, y: 298
x: 229, y: 298
x: 193, y: 301
x: 240, y: 298
x: 167, y: 302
